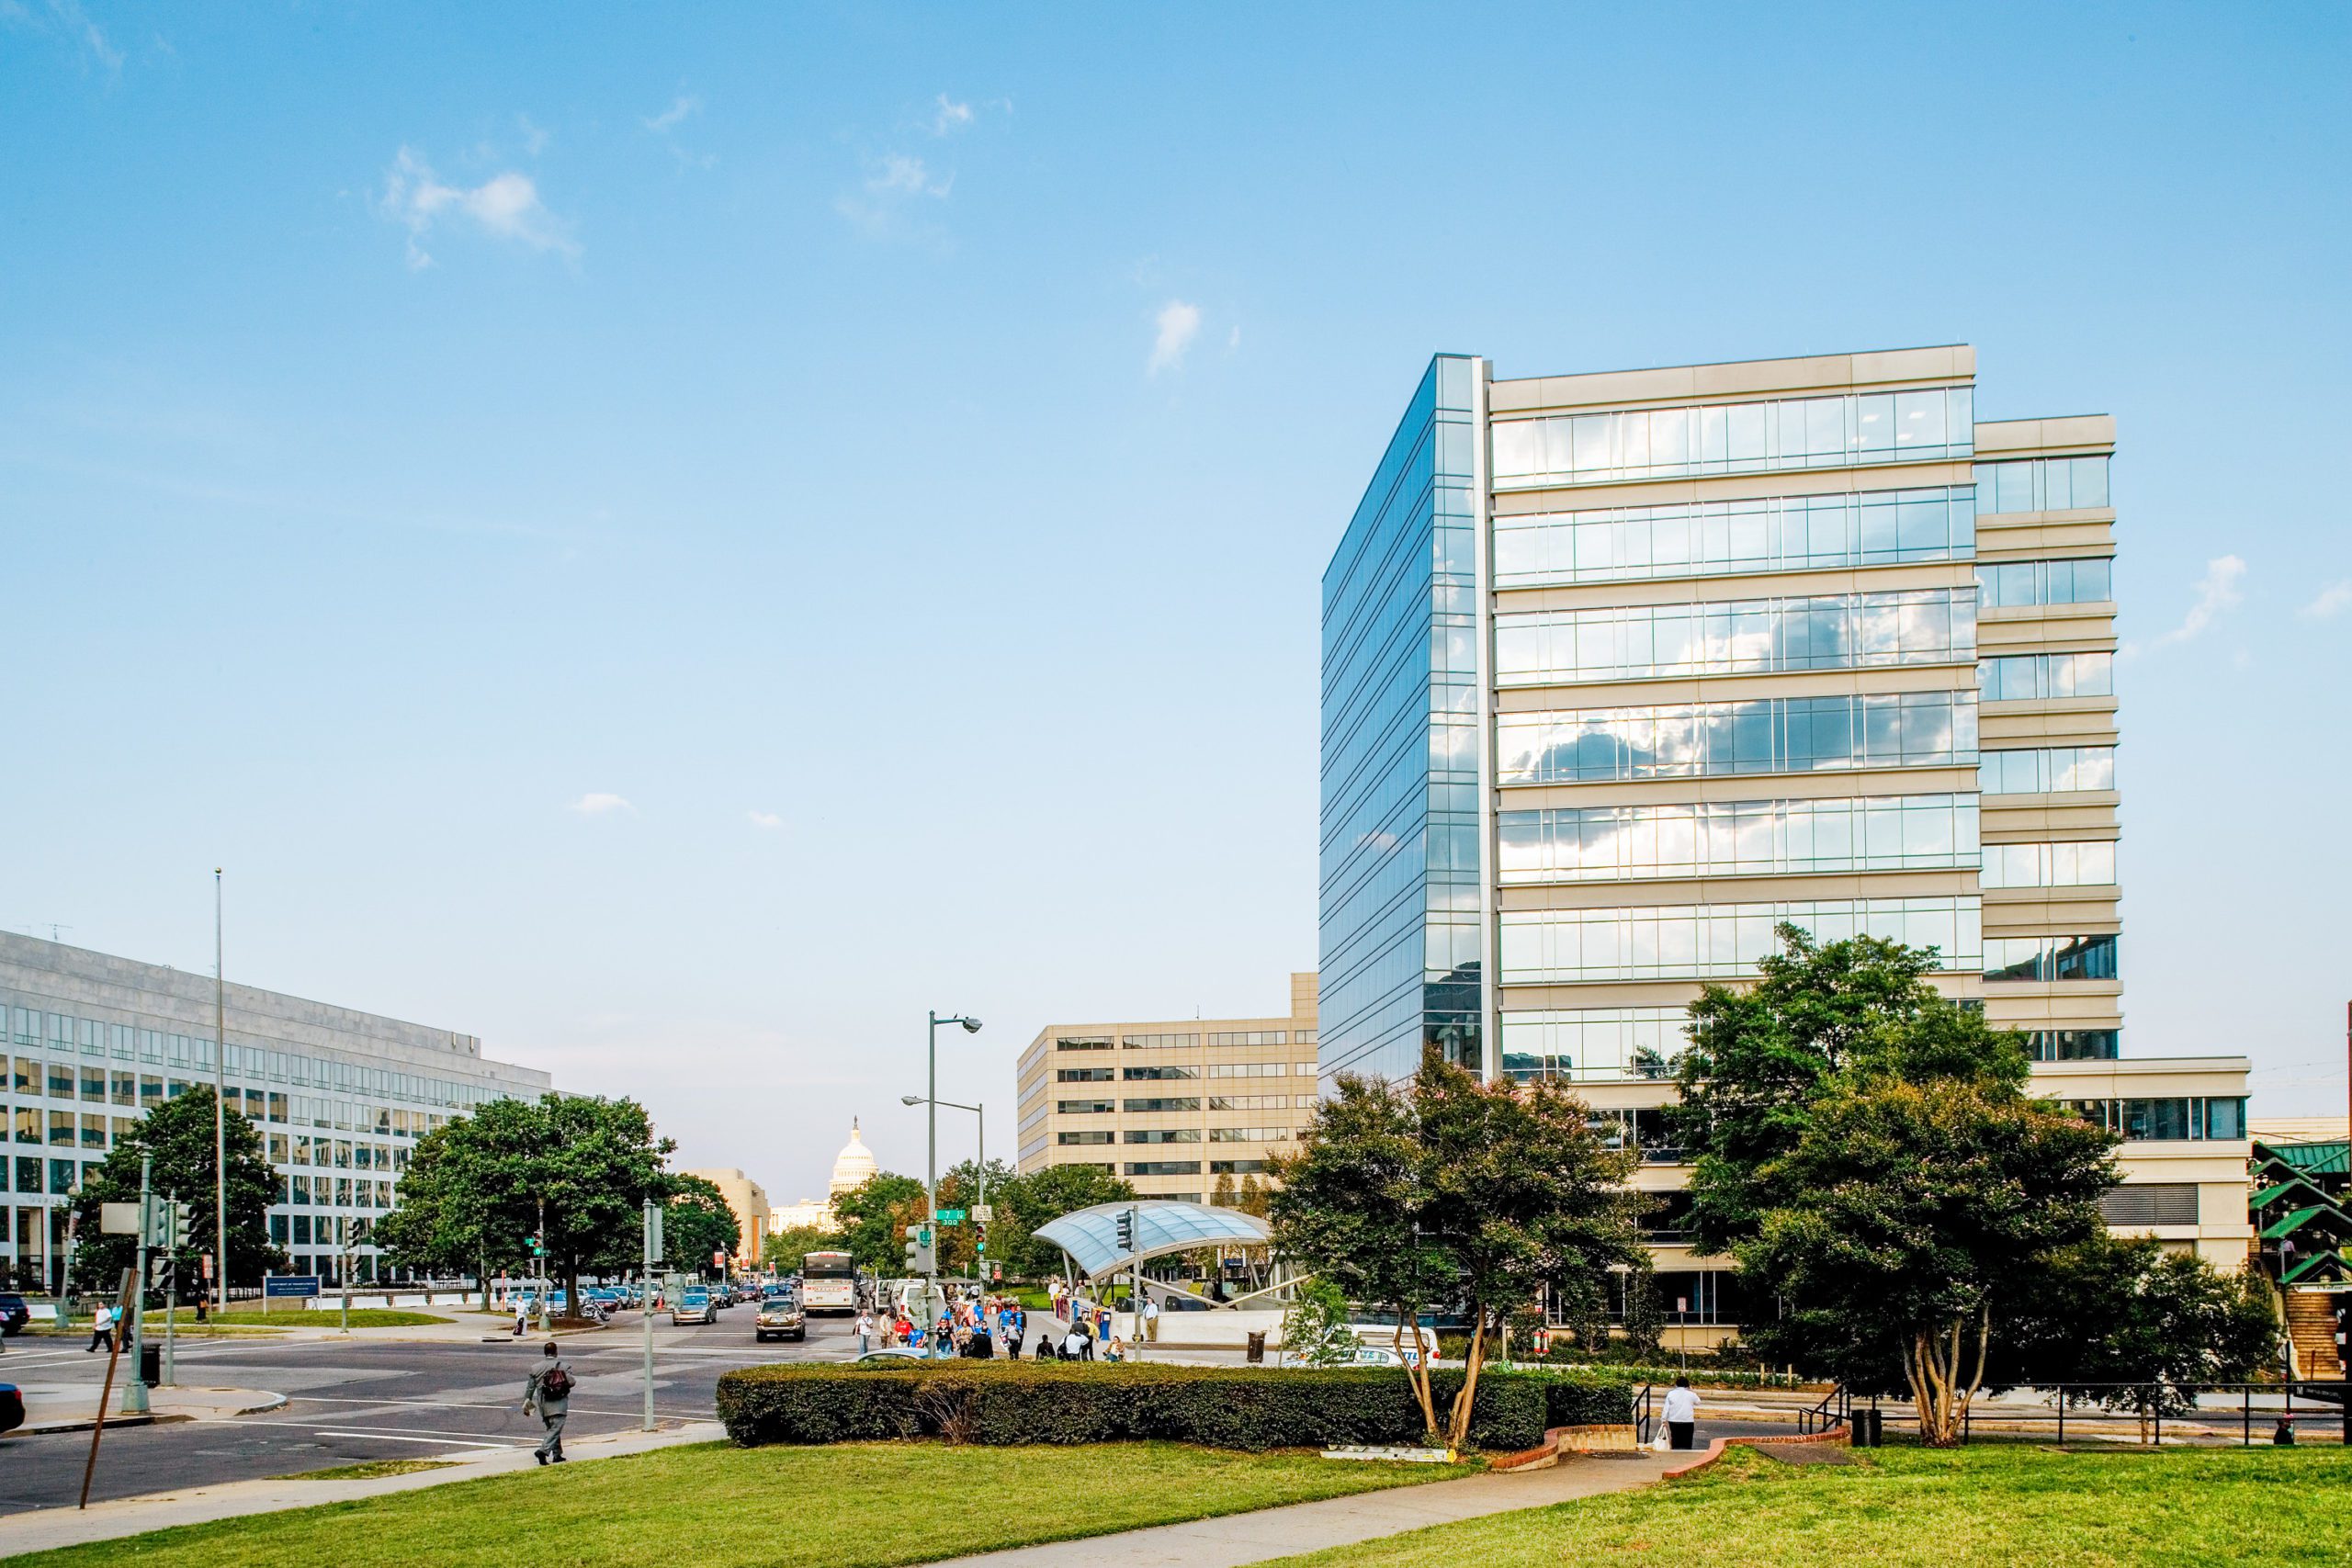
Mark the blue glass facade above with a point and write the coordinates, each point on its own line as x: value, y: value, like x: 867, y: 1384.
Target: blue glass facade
x: 1399, y: 927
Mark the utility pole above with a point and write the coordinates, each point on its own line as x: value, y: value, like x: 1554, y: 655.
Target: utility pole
x: 219, y: 1108
x: 652, y: 1255
x: 342, y: 1264
x: 134, y: 1397
x: 171, y: 1274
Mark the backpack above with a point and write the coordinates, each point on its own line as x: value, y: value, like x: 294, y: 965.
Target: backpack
x: 557, y: 1385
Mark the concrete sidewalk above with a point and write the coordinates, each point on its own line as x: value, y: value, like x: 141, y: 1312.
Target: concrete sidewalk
x: 50, y: 1527
x: 1239, y: 1538
x: 67, y: 1407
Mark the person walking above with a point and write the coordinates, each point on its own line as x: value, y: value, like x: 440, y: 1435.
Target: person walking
x: 521, y: 1315
x: 549, y: 1392
x: 865, y: 1331
x: 101, y: 1330
x: 1682, y: 1414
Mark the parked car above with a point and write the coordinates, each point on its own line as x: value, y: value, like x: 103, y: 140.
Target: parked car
x: 14, y: 1314
x: 12, y: 1407
x: 889, y: 1356
x: 695, y: 1307
x: 779, y: 1318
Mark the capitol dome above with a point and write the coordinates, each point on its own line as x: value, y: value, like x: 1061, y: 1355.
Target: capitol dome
x: 854, y: 1165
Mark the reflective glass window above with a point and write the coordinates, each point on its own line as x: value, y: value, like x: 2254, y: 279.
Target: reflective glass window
x: 1787, y: 433
x: 2043, y: 484
x: 1738, y: 838
x: 1681, y: 942
x: 1823, y: 632
x: 2047, y: 769
x: 2067, y: 863
x: 1772, y: 534
x: 2034, y: 677
x: 1775, y: 735
x: 2088, y: 579
x: 2050, y: 958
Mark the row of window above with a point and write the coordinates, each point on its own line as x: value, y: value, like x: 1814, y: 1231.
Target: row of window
x: 1696, y: 538
x: 2167, y: 1120
x: 1828, y: 631
x: 1164, y: 1103
x: 1738, y: 838
x: 1764, y: 735
x: 2075, y: 1045
x: 1721, y: 438
x: 2009, y: 585
x: 1716, y: 940
x: 1178, y: 1135
x: 2030, y: 676
x: 100, y: 1038
x: 2049, y: 770
x: 1186, y: 1042
x: 2042, y: 484
x: 2050, y: 958
x: 1634, y: 1044
x: 2065, y: 864
x: 97, y: 1086
x: 1192, y: 1168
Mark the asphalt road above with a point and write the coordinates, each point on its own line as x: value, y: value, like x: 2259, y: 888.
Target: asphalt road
x: 378, y: 1399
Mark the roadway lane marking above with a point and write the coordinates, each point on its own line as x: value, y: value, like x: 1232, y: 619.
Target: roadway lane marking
x: 438, y: 1442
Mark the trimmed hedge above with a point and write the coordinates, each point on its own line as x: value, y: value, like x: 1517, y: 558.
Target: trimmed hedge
x: 1227, y: 1408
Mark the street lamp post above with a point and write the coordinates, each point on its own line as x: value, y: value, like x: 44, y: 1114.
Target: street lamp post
x: 981, y: 1164
x: 930, y: 1177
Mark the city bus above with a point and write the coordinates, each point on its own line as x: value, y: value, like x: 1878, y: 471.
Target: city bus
x: 828, y: 1283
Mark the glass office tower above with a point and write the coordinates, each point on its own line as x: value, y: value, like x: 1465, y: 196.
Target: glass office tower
x: 1403, y: 901
x: 1621, y: 670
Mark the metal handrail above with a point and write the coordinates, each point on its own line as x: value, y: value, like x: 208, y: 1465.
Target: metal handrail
x: 1836, y: 1409
x: 1645, y: 1422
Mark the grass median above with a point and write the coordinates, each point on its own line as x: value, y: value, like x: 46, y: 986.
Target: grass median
x: 1992, y: 1503
x: 858, y: 1505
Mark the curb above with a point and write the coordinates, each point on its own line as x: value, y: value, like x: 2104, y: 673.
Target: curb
x: 268, y: 1401
x: 1721, y: 1446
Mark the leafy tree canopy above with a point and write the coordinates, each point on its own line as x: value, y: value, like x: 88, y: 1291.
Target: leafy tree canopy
x: 873, y: 1217
x: 787, y: 1247
x: 178, y: 1133
x: 698, y: 1222
x: 1450, y: 1188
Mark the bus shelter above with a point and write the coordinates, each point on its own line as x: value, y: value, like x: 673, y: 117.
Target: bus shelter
x: 1089, y: 1237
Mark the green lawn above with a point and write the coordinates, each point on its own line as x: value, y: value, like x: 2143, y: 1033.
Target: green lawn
x: 302, y: 1317
x: 856, y: 1506
x: 2005, y: 1504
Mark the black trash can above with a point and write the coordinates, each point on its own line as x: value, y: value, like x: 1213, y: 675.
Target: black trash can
x: 151, y: 1365
x: 1866, y: 1430
x: 1257, y: 1352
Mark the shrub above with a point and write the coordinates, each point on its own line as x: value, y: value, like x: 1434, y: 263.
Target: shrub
x: 1236, y: 1407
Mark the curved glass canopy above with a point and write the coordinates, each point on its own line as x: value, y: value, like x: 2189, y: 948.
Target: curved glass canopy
x: 1091, y: 1236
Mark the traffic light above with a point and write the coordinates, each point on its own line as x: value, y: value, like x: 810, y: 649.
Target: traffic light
x: 539, y: 1246
x: 982, y: 1244
x: 922, y: 1257
x: 1126, y: 1230
x: 166, y: 1223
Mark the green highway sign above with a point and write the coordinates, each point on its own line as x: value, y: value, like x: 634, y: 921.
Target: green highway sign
x: 950, y: 1216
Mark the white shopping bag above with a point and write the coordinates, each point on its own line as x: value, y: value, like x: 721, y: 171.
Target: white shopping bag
x: 1661, y: 1443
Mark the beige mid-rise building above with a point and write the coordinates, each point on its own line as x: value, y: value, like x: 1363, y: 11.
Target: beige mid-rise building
x: 1623, y: 670
x: 1172, y: 1107
x: 750, y: 1202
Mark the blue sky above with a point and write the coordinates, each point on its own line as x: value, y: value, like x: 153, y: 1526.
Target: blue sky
x: 884, y: 460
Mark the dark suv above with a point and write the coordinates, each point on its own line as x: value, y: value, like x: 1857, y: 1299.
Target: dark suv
x: 14, y: 1314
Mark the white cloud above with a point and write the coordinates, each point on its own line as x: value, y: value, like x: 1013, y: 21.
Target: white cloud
x: 909, y: 177
x: 660, y: 124
x: 951, y: 116
x: 535, y: 137
x: 597, y: 804
x: 2216, y: 592
x: 768, y: 820
x: 1233, y: 340
x: 1178, y: 323
x: 67, y: 19
x: 505, y: 206
x: 2331, y: 598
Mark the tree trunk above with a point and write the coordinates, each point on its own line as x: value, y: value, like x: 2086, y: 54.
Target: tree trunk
x: 1458, y: 1432
x: 1417, y: 1372
x: 1933, y: 1364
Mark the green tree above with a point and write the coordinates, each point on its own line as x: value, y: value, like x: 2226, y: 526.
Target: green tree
x: 1761, y: 1056
x: 872, y: 1217
x: 1316, y: 1330
x: 1484, y: 1194
x: 698, y: 1221
x: 1038, y: 1198
x: 484, y: 1183
x: 960, y: 1187
x: 179, y: 1135
x: 787, y: 1247
x: 1913, y: 1206
x: 2123, y: 1311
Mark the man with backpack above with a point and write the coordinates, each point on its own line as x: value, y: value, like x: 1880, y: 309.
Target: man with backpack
x: 549, y: 1392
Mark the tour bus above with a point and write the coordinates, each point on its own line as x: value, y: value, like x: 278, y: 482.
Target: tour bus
x: 828, y: 1283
